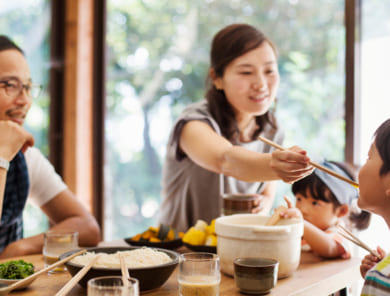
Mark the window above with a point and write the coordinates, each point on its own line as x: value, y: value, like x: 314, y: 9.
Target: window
x: 157, y: 61
x: 27, y: 23
x: 375, y: 62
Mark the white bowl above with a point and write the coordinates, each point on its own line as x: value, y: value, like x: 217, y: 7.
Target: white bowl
x: 245, y: 235
x: 10, y: 282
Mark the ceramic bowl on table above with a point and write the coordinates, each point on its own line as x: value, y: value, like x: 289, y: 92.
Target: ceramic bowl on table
x: 255, y: 275
x: 246, y: 235
x: 150, y: 277
x: 10, y: 282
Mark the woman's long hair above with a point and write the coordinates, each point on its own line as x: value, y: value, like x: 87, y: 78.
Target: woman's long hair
x: 231, y: 42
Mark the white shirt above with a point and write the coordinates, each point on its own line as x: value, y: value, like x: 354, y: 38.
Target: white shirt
x: 45, y: 183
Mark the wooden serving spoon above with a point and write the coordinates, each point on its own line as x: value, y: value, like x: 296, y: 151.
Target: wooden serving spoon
x: 5, y: 290
x: 275, y: 216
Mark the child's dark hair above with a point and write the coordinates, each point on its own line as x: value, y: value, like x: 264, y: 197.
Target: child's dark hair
x: 320, y: 191
x: 382, y: 143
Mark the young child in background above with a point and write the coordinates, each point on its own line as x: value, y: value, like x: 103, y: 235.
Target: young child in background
x: 324, y: 202
x: 374, y: 188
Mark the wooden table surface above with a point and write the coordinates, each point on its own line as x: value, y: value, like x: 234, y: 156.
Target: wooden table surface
x: 314, y: 276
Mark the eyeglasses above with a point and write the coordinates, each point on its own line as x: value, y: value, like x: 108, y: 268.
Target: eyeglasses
x: 14, y: 87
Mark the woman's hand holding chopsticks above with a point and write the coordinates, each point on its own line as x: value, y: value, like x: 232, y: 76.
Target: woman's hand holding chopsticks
x: 291, y: 164
x: 312, y: 163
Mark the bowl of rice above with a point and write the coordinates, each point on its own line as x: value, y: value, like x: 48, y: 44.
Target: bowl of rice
x: 151, y: 266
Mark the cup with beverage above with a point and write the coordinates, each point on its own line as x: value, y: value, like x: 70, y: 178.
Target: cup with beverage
x: 112, y: 286
x: 57, y: 243
x: 239, y: 203
x: 199, y: 274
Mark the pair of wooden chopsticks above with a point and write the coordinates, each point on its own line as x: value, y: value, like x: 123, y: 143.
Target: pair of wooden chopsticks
x: 69, y: 285
x: 357, y: 241
x: 65, y: 289
x: 314, y: 164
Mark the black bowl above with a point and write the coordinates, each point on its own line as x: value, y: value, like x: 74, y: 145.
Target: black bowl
x: 170, y: 245
x: 149, y: 278
x: 201, y: 248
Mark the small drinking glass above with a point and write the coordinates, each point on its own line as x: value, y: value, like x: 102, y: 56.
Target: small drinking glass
x: 199, y: 274
x: 57, y: 243
x: 112, y: 286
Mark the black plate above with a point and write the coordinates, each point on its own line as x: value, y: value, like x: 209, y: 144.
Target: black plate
x: 201, y: 248
x: 170, y: 245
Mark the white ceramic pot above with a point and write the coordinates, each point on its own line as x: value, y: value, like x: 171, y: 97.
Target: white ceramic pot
x: 245, y: 235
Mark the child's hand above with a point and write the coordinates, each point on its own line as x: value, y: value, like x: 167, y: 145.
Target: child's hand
x: 258, y: 205
x: 291, y: 211
x: 369, y: 261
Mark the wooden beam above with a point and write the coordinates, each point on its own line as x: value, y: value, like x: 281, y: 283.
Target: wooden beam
x: 56, y: 86
x: 352, y: 79
x: 99, y: 106
x: 78, y: 94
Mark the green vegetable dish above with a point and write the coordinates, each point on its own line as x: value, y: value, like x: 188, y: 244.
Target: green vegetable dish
x: 14, y: 270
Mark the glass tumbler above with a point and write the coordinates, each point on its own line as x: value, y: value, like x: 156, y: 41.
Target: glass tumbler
x: 199, y: 274
x: 57, y: 243
x: 112, y: 286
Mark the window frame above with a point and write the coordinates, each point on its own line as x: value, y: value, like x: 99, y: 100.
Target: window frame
x: 77, y: 70
x: 63, y: 125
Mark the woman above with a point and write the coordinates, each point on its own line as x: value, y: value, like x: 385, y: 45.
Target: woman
x: 213, y: 148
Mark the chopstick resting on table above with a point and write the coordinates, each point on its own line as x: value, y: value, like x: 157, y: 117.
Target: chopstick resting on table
x: 69, y: 285
x: 357, y: 241
x: 314, y: 164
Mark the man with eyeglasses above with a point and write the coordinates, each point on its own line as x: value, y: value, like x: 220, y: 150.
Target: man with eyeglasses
x: 29, y: 174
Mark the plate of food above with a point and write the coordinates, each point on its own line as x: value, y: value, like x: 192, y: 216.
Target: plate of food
x: 151, y: 266
x: 164, y: 237
x: 14, y: 271
x: 201, y: 248
x: 201, y: 237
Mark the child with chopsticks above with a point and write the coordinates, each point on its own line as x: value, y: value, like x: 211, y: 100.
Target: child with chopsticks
x: 374, y: 189
x: 324, y: 202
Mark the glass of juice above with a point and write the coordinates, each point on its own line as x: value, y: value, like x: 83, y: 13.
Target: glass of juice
x: 57, y: 243
x: 199, y: 274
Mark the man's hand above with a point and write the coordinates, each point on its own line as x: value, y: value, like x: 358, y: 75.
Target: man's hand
x: 13, y: 138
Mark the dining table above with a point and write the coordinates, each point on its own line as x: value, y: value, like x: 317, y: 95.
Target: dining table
x: 314, y: 276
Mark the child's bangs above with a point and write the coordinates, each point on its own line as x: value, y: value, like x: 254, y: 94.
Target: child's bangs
x: 316, y: 187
